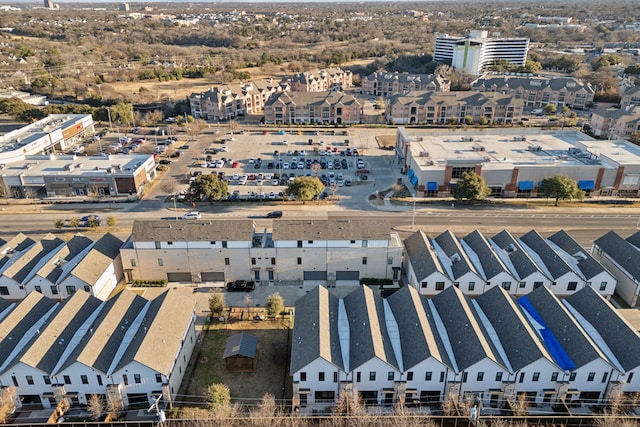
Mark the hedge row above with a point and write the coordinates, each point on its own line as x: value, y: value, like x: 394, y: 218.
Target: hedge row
x: 149, y: 283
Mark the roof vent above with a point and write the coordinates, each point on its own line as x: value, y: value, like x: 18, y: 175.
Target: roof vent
x: 455, y: 258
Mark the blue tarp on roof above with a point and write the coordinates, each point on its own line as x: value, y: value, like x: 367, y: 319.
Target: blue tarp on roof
x: 414, y: 180
x: 550, y: 341
x: 525, y: 185
x: 432, y: 186
x: 411, y: 173
x: 586, y: 185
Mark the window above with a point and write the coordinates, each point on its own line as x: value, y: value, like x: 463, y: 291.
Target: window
x: 480, y: 376
x: 423, y: 284
x: 67, y: 379
x: 84, y: 379
x: 54, y: 290
x: 353, y: 242
x: 273, y: 261
x: 591, y: 376
x: 472, y: 285
x: 604, y: 377
x: 629, y: 377
x: 29, y: 380
x: 365, y: 243
x: 325, y: 396
x: 488, y: 284
x: 536, y: 376
x: 253, y: 261
x: 439, y: 286
x: 87, y: 288
x: 46, y: 379
x: 125, y: 379
x: 320, y: 376
x: 553, y: 283
x: 536, y: 285
x: 522, y: 284
x: 158, y: 378
x: 160, y: 262
x: 554, y: 376
x: 70, y: 289
x: 464, y: 377
x: 442, y: 376
x: 224, y: 244
x: 572, y: 377
x: 506, y: 285
x: 498, y: 376
x: 603, y: 286
x: 427, y: 376
x: 409, y: 376
x: 521, y: 379
x: 299, y: 243
x: 364, y: 260
x: 310, y: 242
x: 227, y: 261
x: 372, y: 376
x: 137, y: 379
x: 4, y: 290
x: 571, y: 286
x: 15, y: 380
x: 303, y: 376
x: 299, y: 261
x: 99, y: 378
x: 456, y: 284
x: 212, y: 242
x: 38, y: 289
x: 335, y: 377
x: 157, y: 245
x: 169, y: 243
x: 390, y: 376
x: 358, y: 376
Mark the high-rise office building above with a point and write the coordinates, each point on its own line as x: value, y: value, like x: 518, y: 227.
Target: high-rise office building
x: 473, y: 54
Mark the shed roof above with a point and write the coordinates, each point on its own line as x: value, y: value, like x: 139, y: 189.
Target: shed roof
x: 241, y: 344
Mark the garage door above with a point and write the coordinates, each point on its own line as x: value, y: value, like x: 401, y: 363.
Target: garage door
x: 315, y: 275
x: 212, y: 276
x: 179, y: 277
x: 347, y: 275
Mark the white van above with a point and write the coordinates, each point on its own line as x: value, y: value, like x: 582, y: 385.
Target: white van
x: 192, y: 215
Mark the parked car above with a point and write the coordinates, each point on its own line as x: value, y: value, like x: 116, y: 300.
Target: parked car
x: 241, y: 286
x: 90, y: 221
x: 274, y: 214
x: 192, y: 215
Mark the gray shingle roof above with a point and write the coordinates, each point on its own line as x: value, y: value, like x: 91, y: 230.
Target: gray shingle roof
x: 530, y: 83
x: 367, y: 329
x: 53, y: 269
x: 564, y: 327
x: 634, y: 239
x: 554, y: 263
x: 200, y: 230
x: 460, y: 264
x: 466, y: 337
x: 619, y: 336
x: 621, y: 251
x: 101, y: 255
x: 241, y: 344
x: 330, y: 229
x: 13, y: 248
x: 419, y: 338
x: 22, y: 267
x: 315, y: 333
x: 586, y: 263
x: 421, y: 255
x: 506, y: 245
x: 490, y: 263
x: 520, y: 342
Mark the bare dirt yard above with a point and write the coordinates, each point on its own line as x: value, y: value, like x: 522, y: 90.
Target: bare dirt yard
x: 247, y: 388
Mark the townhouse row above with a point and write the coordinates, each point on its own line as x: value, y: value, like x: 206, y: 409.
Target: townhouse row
x: 410, y: 350
x: 476, y: 263
x: 127, y: 350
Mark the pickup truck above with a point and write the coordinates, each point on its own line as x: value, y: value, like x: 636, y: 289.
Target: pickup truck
x: 241, y: 286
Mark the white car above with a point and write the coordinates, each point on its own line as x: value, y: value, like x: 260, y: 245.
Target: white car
x: 252, y: 161
x: 224, y: 148
x: 220, y: 164
x: 330, y: 164
x: 235, y: 177
x: 300, y: 165
x: 275, y: 182
x: 192, y: 215
x: 124, y: 140
x: 272, y: 195
x: 285, y: 165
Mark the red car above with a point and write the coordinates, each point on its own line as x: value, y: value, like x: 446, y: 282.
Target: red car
x: 235, y: 165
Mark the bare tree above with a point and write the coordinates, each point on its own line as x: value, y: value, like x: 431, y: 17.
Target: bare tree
x: 114, y: 408
x: 7, y: 404
x: 96, y: 406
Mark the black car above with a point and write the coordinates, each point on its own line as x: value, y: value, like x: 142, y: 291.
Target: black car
x: 274, y: 214
x: 241, y: 286
x: 165, y: 162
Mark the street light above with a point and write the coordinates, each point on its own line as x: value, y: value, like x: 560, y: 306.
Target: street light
x: 413, y: 215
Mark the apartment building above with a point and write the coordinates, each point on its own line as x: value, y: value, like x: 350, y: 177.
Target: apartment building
x: 514, y: 161
x: 82, y: 346
x: 630, y: 97
x: 409, y: 350
x: 538, y: 91
x: 329, y: 79
x: 474, y: 53
x: 424, y: 107
x: 313, y: 108
x: 613, y: 123
x: 229, y: 101
x: 622, y: 257
x: 381, y: 83
x: 327, y: 251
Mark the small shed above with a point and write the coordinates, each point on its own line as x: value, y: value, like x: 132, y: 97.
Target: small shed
x: 241, y: 353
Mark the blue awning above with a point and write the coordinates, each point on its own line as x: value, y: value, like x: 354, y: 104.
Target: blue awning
x: 525, y: 185
x: 411, y: 173
x: 551, y: 342
x: 432, y: 186
x: 586, y: 185
x: 414, y: 180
